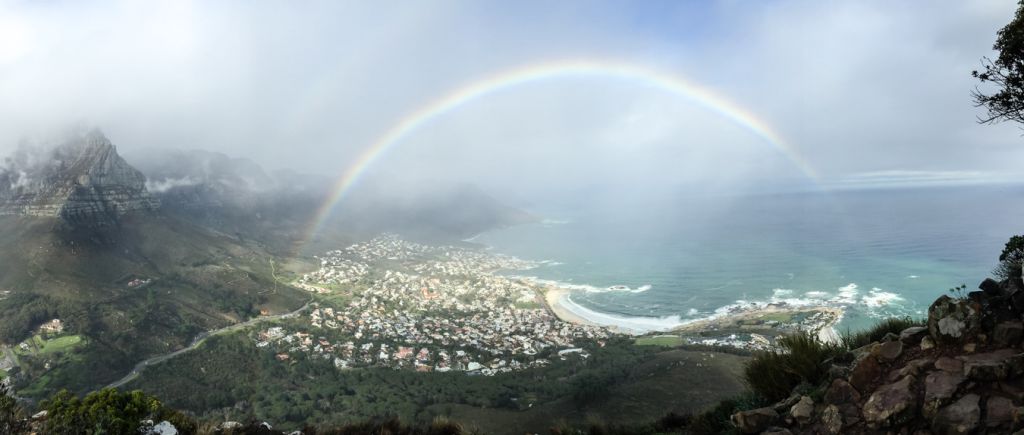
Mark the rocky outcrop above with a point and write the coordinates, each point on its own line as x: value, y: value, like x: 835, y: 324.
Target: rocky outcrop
x: 84, y: 182
x: 755, y: 420
x: 891, y: 404
x: 963, y: 373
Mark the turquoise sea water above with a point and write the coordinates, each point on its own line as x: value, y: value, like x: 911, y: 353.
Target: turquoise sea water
x: 877, y: 253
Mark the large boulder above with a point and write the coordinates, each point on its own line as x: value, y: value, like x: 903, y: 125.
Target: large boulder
x: 1008, y: 333
x: 991, y: 287
x: 841, y: 392
x: 913, y: 335
x: 999, y: 412
x: 755, y: 420
x: 927, y: 342
x: 888, y: 352
x: 803, y: 410
x: 229, y: 425
x: 993, y: 366
x: 891, y: 404
x: 948, y: 364
x: 953, y: 320
x: 960, y: 418
x: 917, y: 366
x: 162, y: 428
x: 832, y: 419
x: 939, y: 388
x: 864, y: 373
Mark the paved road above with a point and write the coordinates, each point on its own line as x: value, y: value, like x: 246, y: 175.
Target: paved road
x: 199, y: 340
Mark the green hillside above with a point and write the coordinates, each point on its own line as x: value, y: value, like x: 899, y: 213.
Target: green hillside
x: 147, y: 288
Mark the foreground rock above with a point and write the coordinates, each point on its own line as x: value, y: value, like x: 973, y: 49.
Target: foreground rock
x: 962, y: 374
x: 755, y: 420
x: 891, y: 404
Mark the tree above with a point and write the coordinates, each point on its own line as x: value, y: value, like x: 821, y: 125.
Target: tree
x: 108, y: 412
x: 1011, y: 259
x: 12, y: 416
x: 1006, y: 72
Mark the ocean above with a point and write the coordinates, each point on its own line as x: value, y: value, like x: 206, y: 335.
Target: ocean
x: 876, y: 253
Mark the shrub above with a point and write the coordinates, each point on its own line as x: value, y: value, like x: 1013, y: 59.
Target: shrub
x: 895, y: 325
x: 802, y: 357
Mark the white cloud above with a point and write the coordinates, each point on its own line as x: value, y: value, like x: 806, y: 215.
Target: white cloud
x: 856, y: 87
x: 918, y: 178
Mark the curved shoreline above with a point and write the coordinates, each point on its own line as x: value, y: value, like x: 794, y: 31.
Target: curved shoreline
x: 557, y: 301
x: 553, y: 297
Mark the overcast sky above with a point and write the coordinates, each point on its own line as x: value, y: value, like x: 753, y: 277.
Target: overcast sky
x: 865, y: 92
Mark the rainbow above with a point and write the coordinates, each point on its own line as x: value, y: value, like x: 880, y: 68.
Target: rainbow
x: 475, y: 90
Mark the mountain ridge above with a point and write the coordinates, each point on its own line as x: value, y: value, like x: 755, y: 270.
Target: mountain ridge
x: 85, y: 184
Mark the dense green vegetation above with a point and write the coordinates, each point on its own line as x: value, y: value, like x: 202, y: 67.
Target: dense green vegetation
x: 230, y: 372
x: 11, y: 415
x: 893, y: 325
x: 800, y: 359
x: 112, y: 412
x: 196, y: 281
x: 804, y: 359
x: 108, y: 411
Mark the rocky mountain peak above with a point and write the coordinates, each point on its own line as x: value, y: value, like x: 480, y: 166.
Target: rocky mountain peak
x: 82, y: 181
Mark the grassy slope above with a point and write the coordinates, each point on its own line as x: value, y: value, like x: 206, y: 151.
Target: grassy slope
x: 202, y: 280
x: 671, y: 381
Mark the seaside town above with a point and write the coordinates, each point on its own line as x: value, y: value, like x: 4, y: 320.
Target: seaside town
x: 394, y: 303
x: 427, y: 308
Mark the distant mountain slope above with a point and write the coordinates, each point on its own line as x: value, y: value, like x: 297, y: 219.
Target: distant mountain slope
x: 83, y: 181
x: 86, y: 243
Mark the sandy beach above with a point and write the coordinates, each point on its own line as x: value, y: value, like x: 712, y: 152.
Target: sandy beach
x: 554, y: 298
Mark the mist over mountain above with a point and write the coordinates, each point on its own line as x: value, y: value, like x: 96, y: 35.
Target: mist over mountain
x: 81, y: 180
x: 238, y: 196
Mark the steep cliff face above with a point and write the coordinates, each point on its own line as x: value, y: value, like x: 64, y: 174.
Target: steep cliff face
x: 84, y: 182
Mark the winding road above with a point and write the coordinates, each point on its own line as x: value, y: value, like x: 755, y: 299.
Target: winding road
x: 198, y: 341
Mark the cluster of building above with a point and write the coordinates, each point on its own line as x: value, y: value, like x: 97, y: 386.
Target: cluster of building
x: 737, y: 329
x: 429, y: 309
x: 138, y: 282
x: 54, y: 326
x: 749, y: 341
